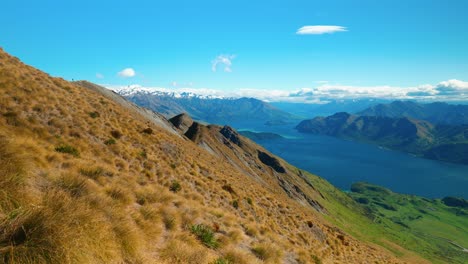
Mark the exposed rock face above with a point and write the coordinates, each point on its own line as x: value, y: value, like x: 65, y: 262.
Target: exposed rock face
x: 271, y: 162
x: 193, y: 132
x: 231, y: 135
x: 182, y: 122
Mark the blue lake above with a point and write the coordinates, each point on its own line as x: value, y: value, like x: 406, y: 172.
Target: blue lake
x: 344, y: 162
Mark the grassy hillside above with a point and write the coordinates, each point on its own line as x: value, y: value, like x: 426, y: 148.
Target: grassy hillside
x: 439, y: 232
x: 86, y: 177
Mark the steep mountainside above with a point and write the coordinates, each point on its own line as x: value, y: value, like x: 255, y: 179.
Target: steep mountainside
x: 437, y: 113
x: 209, y: 110
x: 448, y: 143
x: 86, y: 177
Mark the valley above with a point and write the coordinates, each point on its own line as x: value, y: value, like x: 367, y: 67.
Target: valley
x: 344, y: 162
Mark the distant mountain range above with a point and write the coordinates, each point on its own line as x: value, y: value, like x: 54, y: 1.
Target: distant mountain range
x: 422, y: 138
x: 209, y: 109
x: 437, y: 113
x: 332, y: 106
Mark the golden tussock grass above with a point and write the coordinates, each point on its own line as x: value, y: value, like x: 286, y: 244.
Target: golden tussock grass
x: 234, y: 255
x: 179, y: 251
x: 81, y: 182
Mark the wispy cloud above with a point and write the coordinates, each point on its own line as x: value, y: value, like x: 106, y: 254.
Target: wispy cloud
x: 451, y: 90
x: 224, y: 61
x: 127, y: 73
x: 99, y: 75
x: 320, y: 29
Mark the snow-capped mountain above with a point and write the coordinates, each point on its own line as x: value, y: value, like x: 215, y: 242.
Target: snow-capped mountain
x: 175, y: 93
x: 205, y: 105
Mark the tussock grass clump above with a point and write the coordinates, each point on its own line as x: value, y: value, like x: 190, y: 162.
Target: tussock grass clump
x: 92, y: 173
x: 59, y: 230
x: 116, y: 134
x: 68, y: 149
x: 222, y: 261
x: 177, y: 251
x: 119, y: 193
x: 12, y: 176
x: 128, y: 237
x: 110, y: 141
x: 12, y: 119
x: 251, y: 230
x: 169, y: 222
x: 237, y: 256
x: 267, y: 253
x: 76, y: 186
x: 175, y: 186
x: 94, y: 114
x: 146, y: 196
x: 316, y: 259
x: 170, y: 217
x: 205, y: 234
x: 149, y: 213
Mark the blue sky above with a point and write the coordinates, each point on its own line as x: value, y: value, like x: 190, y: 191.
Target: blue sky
x: 174, y: 44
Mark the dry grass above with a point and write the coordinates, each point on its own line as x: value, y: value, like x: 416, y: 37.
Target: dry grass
x: 84, y: 179
x: 178, y: 251
x: 237, y: 256
x: 59, y: 230
x: 268, y: 253
x: 12, y: 176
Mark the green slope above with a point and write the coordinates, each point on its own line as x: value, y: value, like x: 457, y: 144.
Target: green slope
x: 436, y: 231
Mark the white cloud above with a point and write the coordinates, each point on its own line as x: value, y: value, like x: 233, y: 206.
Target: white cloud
x: 452, y: 87
x: 99, y: 75
x: 451, y: 90
x: 127, y: 73
x: 224, y: 61
x: 320, y: 29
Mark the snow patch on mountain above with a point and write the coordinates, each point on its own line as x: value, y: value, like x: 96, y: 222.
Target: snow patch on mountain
x: 176, y: 93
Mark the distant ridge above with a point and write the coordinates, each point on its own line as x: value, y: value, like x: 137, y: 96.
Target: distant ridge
x: 441, y: 142
x: 437, y: 112
x: 210, y: 109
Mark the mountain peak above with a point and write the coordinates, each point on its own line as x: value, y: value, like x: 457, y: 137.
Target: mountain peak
x: 182, y: 122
